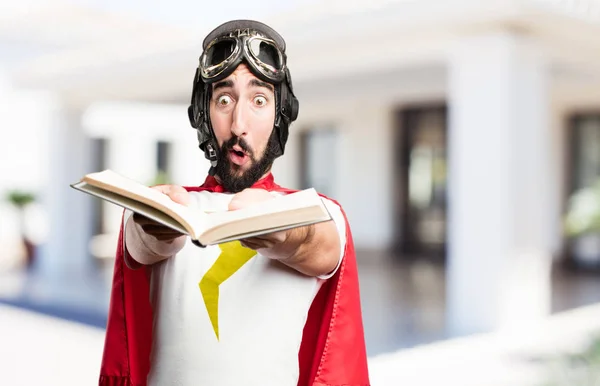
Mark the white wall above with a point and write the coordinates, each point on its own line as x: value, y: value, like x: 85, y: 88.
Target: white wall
x: 136, y: 127
x: 362, y: 109
x: 363, y: 181
x: 132, y: 131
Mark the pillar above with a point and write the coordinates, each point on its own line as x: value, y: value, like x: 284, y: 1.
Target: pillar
x: 499, y: 250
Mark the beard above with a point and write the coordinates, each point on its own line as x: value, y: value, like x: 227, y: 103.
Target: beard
x: 232, y: 178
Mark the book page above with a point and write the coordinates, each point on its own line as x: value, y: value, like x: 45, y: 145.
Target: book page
x: 262, y: 231
x: 302, y: 199
x: 190, y: 219
x: 135, y: 206
x: 257, y: 226
x: 284, y: 212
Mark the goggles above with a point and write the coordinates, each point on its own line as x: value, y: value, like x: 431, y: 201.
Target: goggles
x: 223, y: 54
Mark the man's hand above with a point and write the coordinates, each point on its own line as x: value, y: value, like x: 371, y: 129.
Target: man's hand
x: 246, y: 198
x: 159, y: 231
x: 313, y: 250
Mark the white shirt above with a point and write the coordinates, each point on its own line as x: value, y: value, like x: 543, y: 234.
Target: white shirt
x: 259, y: 314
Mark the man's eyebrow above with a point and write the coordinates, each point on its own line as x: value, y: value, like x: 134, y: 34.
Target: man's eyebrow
x: 260, y: 83
x: 222, y: 84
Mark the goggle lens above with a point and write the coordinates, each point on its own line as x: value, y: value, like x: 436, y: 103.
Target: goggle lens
x: 265, y: 52
x: 219, y: 52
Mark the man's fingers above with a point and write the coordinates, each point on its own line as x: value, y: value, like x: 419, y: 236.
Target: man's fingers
x: 235, y: 204
x: 247, y: 243
x: 179, y: 194
x: 257, y: 243
x: 161, y: 232
x: 181, y: 197
x: 175, y: 192
x: 142, y: 220
x: 151, y: 227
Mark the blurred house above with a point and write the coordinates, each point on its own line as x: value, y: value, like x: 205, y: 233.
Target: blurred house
x: 453, y: 130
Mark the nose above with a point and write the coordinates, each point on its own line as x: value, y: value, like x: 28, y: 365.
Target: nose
x: 239, y: 125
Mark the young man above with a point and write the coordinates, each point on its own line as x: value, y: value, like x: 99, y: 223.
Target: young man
x: 280, y: 309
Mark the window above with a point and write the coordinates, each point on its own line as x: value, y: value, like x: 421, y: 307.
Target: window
x: 583, y: 249
x: 585, y: 151
x: 99, y: 148
x: 319, y: 164
x: 163, y: 158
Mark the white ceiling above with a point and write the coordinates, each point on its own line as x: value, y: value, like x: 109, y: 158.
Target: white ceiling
x: 52, y: 36
x: 147, y: 49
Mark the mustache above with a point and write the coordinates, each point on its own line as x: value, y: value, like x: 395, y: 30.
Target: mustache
x: 241, y: 142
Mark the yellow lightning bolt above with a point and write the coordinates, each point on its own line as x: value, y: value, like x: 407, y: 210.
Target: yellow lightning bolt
x: 233, y: 256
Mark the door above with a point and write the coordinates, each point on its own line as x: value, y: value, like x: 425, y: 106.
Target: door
x: 420, y: 167
x: 583, y: 250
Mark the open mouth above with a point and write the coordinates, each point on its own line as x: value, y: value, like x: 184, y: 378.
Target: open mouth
x: 238, y: 156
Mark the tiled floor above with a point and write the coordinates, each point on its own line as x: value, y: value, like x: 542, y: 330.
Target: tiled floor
x: 403, y: 303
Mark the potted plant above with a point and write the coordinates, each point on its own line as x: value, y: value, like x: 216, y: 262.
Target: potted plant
x: 582, y: 225
x: 20, y: 199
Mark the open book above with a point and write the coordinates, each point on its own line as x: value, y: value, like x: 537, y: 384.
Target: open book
x: 283, y: 212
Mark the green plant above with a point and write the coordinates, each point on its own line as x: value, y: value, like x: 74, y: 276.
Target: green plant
x: 583, y: 215
x: 19, y: 198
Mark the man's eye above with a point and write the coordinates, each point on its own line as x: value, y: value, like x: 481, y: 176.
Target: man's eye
x: 260, y: 101
x: 224, y: 100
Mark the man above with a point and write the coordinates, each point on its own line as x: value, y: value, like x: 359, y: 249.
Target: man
x: 279, y: 309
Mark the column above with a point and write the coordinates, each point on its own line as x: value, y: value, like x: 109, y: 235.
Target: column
x: 65, y: 256
x: 12, y: 253
x: 499, y: 249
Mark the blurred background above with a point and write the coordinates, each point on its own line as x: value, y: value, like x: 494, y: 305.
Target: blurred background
x: 461, y: 137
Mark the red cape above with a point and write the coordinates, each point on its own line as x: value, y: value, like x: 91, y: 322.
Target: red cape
x: 332, y: 352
